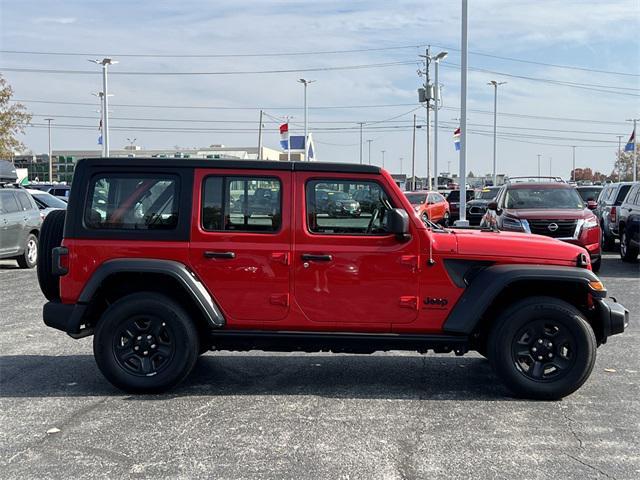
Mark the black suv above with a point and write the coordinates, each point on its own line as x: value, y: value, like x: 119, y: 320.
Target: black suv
x: 629, y: 224
x: 609, y: 202
x: 20, y: 222
x: 477, y: 207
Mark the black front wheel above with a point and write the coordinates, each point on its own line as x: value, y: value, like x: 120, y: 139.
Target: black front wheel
x: 145, y: 343
x: 542, y: 348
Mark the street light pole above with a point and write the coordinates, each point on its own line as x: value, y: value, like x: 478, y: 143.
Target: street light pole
x: 413, y: 156
x: 539, y: 155
x: 495, y: 84
x: 361, y: 123
x: 439, y: 57
x: 573, y: 170
x: 619, y: 154
x: 49, y: 120
x: 383, y: 157
x: 105, y: 62
x: 463, y: 118
x: 369, y: 142
x: 306, y: 128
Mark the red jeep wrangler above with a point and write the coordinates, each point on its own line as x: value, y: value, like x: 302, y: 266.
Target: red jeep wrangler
x: 163, y: 260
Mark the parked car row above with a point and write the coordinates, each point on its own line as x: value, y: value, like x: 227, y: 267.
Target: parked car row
x: 21, y: 214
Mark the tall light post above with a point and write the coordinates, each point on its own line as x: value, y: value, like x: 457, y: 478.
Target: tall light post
x: 369, y: 142
x: 361, y: 124
x: 619, y: 153
x: 100, y: 95
x: 306, y: 128
x: 105, y: 62
x: 463, y: 118
x: 539, y: 155
x: 635, y: 148
x: 573, y: 170
x: 438, y: 58
x: 132, y: 142
x: 413, y: 156
x: 401, y: 167
x: 383, y: 157
x: 495, y: 84
x: 49, y: 120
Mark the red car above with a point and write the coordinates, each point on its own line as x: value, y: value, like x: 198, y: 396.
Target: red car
x: 162, y: 261
x: 551, y: 209
x: 430, y: 206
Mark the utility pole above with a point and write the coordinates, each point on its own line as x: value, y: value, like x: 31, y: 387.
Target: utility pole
x: 369, y: 142
x: 438, y: 58
x: 495, y: 119
x: 619, y: 154
x: 413, y: 156
x: 463, y: 119
x: 360, y: 123
x: 401, y: 169
x: 550, y: 166
x: 306, y: 130
x: 260, y: 137
x: 105, y: 62
x: 383, y: 157
x: 573, y: 170
x: 635, y: 149
x: 539, y: 155
x: 425, y: 95
x: 49, y: 120
x: 100, y: 95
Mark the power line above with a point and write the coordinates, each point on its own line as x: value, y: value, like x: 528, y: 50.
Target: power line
x: 326, y: 107
x: 309, y: 53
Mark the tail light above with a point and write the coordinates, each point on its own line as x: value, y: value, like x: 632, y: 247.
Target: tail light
x: 613, y: 214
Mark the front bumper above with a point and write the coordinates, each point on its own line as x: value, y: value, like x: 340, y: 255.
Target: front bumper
x: 614, y: 317
x: 67, y: 318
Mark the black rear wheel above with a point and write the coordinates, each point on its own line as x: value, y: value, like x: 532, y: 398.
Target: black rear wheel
x: 607, y: 242
x: 542, y: 348
x: 145, y: 343
x: 628, y: 252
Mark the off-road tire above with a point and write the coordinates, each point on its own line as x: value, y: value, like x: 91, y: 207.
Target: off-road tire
x: 134, y: 318
x: 571, y: 325
x: 628, y: 253
x: 50, y: 238
x: 29, y: 259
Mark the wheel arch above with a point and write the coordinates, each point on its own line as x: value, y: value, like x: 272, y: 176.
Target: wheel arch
x: 117, y: 278
x: 497, y: 287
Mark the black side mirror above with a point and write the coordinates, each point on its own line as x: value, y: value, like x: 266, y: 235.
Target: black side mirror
x: 398, y: 223
x: 492, y: 206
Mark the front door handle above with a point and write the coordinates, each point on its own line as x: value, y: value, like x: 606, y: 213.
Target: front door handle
x: 310, y: 257
x: 228, y: 255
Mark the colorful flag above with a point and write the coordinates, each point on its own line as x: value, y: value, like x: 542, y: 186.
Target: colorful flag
x: 284, y: 136
x: 456, y: 139
x: 631, y: 143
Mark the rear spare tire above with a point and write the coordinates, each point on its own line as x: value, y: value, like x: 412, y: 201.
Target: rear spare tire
x: 50, y: 238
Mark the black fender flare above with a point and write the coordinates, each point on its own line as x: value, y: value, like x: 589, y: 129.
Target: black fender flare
x: 178, y: 271
x: 491, y: 281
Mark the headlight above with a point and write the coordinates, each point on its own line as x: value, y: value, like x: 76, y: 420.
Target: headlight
x: 590, y: 223
x: 510, y: 223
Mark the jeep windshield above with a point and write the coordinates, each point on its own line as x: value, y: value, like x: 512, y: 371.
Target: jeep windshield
x: 416, y: 198
x: 543, y: 198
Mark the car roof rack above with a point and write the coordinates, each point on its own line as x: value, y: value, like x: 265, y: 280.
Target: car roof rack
x: 533, y: 179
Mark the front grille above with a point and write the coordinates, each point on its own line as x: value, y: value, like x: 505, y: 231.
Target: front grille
x: 566, y: 228
x: 477, y: 210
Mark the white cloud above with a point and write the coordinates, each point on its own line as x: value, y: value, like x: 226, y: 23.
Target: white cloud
x: 55, y: 20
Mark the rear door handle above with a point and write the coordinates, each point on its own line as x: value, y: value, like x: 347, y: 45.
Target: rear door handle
x: 228, y: 255
x: 310, y: 257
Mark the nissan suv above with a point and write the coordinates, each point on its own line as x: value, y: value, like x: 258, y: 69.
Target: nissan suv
x: 552, y: 209
x: 161, y: 261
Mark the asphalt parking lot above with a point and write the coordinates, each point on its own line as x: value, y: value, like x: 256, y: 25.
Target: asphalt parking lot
x: 259, y: 415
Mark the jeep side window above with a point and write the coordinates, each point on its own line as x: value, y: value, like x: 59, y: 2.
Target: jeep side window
x: 332, y: 207
x: 132, y: 202
x: 241, y: 204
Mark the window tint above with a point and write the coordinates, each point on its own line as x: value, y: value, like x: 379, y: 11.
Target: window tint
x: 622, y: 192
x: 242, y: 204
x: 24, y: 201
x: 415, y: 198
x: 533, y: 197
x: 8, y: 203
x: 332, y: 207
x: 46, y: 200
x: 132, y: 202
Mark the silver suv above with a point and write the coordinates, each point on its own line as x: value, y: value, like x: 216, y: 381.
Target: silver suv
x: 607, y: 211
x: 20, y: 223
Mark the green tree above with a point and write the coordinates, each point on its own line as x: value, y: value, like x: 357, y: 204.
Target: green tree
x: 13, y: 120
x: 624, y: 165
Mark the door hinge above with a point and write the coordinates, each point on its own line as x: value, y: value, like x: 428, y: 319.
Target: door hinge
x: 279, y: 299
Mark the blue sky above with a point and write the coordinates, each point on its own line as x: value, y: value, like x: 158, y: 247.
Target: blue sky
x: 591, y: 34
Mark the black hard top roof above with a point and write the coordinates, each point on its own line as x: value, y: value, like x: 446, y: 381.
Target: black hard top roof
x: 228, y: 164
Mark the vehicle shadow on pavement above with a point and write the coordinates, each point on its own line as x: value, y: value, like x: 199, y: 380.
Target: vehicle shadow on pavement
x: 411, y: 377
